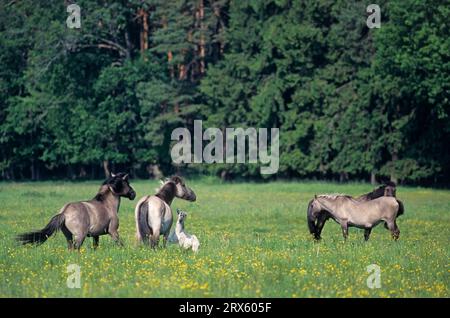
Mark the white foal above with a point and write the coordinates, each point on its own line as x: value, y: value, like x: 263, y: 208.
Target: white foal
x: 184, y: 239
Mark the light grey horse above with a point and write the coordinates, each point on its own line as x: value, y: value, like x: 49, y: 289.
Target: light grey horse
x: 348, y: 211
x: 95, y: 217
x: 388, y: 190
x: 153, y: 214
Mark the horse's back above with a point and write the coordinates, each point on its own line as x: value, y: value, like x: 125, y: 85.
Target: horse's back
x: 159, y: 214
x: 369, y: 213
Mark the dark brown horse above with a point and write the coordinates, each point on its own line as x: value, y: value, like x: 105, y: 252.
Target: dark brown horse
x: 388, y: 189
x: 95, y: 217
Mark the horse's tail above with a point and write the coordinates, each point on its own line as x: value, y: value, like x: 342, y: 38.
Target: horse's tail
x: 39, y: 237
x: 311, y: 220
x: 141, y: 217
x: 401, y: 208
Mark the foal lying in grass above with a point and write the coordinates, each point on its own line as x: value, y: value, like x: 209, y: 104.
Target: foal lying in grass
x: 184, y: 239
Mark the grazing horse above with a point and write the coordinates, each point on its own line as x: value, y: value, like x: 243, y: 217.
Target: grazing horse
x: 153, y: 214
x: 388, y: 190
x: 95, y: 217
x: 347, y: 211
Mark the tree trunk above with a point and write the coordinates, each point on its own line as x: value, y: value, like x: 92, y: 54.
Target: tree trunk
x: 106, y: 168
x: 169, y: 59
x: 394, y: 177
x: 182, y: 72
x: 201, y: 14
x: 343, y: 177
x: 70, y: 173
x: 144, y: 31
x: 83, y: 172
x: 129, y: 45
x: 373, y: 179
x: 154, y: 171
x: 33, y: 170
x: 93, y: 168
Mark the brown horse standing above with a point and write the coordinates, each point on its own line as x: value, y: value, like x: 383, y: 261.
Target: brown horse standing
x: 95, y: 217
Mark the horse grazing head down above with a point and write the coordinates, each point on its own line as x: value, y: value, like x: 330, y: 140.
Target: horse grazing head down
x: 119, y: 185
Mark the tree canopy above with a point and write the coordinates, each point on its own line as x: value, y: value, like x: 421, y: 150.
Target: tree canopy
x: 350, y: 102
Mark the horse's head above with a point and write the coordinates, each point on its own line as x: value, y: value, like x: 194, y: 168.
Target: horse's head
x: 119, y: 185
x: 390, y: 189
x: 181, y: 190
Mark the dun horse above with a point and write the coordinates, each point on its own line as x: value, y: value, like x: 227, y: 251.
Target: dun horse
x: 153, y: 214
x: 387, y: 190
x: 93, y: 218
x: 347, y: 211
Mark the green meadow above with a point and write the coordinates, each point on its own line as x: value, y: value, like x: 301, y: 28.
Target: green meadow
x: 254, y: 243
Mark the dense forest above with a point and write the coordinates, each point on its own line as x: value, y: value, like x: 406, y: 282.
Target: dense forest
x: 351, y: 103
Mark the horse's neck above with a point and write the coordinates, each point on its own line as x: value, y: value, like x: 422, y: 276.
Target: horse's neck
x: 329, y: 205
x: 110, y: 200
x: 167, y: 193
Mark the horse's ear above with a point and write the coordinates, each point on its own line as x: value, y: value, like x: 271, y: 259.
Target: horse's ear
x: 113, y: 175
x: 176, y: 179
x: 125, y: 177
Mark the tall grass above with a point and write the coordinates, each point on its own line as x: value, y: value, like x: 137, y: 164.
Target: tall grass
x: 254, y: 243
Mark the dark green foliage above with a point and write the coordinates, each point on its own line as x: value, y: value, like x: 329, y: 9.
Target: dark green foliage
x: 350, y: 102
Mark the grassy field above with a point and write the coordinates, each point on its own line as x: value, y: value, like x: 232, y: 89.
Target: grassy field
x: 254, y: 243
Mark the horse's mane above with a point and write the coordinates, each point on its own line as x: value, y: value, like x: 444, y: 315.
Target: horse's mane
x: 377, y: 192
x: 104, y: 189
x: 166, y: 191
x: 334, y: 196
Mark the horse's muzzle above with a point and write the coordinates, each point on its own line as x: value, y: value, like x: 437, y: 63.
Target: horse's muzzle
x: 131, y: 195
x: 192, y: 197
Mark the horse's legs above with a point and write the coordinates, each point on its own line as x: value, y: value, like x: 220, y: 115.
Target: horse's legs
x: 165, y: 237
x: 320, y: 224
x: 344, y: 227
x: 154, y: 239
x: 116, y: 238
x: 395, y: 232
x: 95, y: 240
x: 69, y: 237
x: 113, y: 231
x: 79, y: 239
x: 367, y: 233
